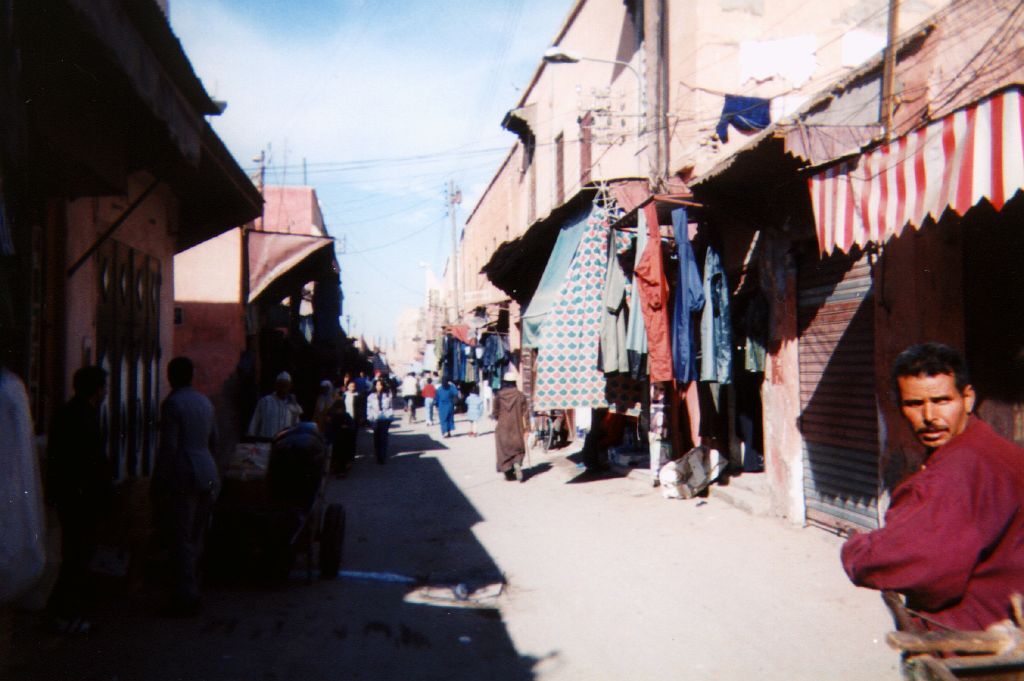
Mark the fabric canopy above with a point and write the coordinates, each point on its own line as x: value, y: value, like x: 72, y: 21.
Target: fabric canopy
x: 272, y: 254
x: 553, y: 279
x: 974, y: 153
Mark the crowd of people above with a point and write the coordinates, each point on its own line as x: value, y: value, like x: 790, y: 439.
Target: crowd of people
x: 187, y: 472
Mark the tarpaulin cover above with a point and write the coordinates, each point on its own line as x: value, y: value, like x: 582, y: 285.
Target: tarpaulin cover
x: 974, y: 153
x: 554, y: 276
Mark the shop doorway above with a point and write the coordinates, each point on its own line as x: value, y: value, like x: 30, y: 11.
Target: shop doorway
x: 993, y: 314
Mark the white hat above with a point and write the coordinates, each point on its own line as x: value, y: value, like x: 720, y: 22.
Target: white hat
x: 511, y: 375
x: 324, y: 383
x: 284, y: 376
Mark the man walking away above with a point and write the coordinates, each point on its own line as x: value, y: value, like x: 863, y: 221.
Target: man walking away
x: 510, y: 433
x: 80, y: 484
x: 185, y: 483
x: 410, y: 390
x: 276, y: 411
x: 429, y: 392
x: 954, y: 532
x: 447, y: 396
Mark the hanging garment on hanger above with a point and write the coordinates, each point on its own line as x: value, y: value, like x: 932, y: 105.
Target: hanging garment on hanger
x: 636, y: 334
x: 689, y: 299
x: 755, y: 323
x: 614, y: 357
x: 650, y: 272
x: 715, y: 323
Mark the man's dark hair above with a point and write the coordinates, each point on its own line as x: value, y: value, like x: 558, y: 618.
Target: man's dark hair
x: 179, y: 372
x: 930, y: 359
x: 88, y: 380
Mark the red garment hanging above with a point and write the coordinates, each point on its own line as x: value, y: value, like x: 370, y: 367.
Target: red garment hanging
x: 653, y: 286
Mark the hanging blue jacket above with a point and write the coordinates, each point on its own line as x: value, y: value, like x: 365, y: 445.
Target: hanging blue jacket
x: 715, y: 324
x: 689, y: 298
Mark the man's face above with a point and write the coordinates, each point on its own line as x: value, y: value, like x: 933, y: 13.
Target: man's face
x: 283, y: 387
x: 352, y: 387
x: 96, y: 399
x: 936, y: 411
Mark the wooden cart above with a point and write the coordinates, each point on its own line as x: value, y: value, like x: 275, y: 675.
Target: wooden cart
x: 996, y: 654
x: 272, y: 507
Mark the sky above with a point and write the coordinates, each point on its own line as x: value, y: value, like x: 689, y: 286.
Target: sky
x: 385, y: 101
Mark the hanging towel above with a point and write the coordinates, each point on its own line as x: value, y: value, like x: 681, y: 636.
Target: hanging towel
x: 715, y: 324
x: 689, y: 299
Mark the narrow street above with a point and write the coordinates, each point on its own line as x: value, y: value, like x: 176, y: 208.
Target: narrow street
x: 605, y: 580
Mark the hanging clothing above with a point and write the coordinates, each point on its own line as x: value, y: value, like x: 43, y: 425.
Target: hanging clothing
x: 454, y: 368
x: 715, y: 323
x: 755, y: 322
x: 614, y: 357
x: 551, y: 282
x: 650, y: 272
x: 746, y: 114
x: 23, y: 528
x: 495, y: 358
x: 567, y: 370
x: 636, y: 335
x: 689, y: 299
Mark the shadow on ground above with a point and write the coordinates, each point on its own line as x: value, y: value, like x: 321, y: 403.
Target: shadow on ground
x: 586, y: 475
x: 405, y: 518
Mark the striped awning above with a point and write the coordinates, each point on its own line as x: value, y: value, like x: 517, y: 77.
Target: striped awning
x: 974, y: 153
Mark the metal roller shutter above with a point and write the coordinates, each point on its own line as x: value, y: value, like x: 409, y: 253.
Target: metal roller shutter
x: 838, y: 417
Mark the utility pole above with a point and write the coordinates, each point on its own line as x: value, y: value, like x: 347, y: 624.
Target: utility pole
x: 889, y: 69
x: 454, y: 199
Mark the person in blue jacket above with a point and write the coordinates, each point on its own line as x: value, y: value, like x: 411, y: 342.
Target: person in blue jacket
x: 474, y: 409
x: 447, y: 396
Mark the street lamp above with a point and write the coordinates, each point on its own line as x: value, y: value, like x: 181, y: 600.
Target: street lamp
x: 558, y: 55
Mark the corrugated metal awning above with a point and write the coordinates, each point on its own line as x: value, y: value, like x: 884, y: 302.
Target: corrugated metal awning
x: 972, y: 154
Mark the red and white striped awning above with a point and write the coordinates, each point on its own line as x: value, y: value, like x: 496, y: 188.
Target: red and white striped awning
x: 974, y: 153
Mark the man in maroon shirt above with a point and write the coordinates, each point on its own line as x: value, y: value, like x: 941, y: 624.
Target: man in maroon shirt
x: 953, y: 540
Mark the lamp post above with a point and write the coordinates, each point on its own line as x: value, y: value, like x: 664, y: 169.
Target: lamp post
x: 557, y: 55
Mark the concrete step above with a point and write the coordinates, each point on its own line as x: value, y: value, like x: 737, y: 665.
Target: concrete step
x: 747, y: 492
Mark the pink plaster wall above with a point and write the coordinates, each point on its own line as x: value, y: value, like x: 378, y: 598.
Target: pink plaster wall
x: 210, y: 272
x: 150, y: 229
x: 292, y: 209
x: 780, y: 392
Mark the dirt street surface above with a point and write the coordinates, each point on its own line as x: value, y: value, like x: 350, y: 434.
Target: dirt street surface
x: 605, y: 580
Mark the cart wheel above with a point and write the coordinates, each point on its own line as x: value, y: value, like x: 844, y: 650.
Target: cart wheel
x: 332, y: 539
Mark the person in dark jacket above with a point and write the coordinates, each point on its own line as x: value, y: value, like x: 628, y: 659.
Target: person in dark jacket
x: 185, y: 483
x: 80, y: 485
x: 341, y: 433
x: 512, y: 415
